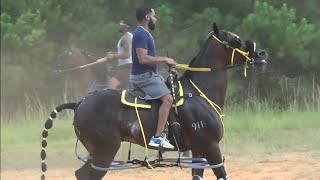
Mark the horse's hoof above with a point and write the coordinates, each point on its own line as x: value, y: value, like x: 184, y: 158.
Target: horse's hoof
x: 196, y: 177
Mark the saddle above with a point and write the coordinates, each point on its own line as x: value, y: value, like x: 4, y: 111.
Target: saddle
x: 135, y: 97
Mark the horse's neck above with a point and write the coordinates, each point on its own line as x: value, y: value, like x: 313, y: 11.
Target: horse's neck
x: 212, y: 84
x: 85, y: 72
x: 84, y: 75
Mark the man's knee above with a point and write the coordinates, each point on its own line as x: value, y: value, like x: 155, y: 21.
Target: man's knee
x: 113, y: 83
x: 167, y: 99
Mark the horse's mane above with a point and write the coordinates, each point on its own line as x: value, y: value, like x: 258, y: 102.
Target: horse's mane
x: 98, y: 72
x: 194, y: 62
x: 81, y: 53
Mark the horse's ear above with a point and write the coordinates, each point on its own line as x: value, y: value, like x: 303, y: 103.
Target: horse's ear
x: 215, y: 28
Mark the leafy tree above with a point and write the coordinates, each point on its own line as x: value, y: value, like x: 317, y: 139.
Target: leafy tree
x: 285, y: 37
x: 28, y: 30
x: 34, y: 32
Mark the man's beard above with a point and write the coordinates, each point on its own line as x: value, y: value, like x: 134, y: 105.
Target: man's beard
x: 151, y: 25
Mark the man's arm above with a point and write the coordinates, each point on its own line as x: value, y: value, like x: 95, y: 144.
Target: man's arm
x: 126, y: 42
x: 144, y: 58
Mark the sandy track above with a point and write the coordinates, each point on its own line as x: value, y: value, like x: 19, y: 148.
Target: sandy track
x: 284, y: 166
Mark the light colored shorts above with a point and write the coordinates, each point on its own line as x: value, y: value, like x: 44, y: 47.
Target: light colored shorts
x: 151, y: 83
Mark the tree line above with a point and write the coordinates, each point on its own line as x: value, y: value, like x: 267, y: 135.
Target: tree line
x: 34, y: 33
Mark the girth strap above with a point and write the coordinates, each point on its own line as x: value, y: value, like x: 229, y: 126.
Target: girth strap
x: 119, y: 167
x: 204, y: 166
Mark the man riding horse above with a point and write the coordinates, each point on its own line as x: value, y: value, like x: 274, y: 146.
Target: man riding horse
x: 144, y: 74
x: 102, y: 120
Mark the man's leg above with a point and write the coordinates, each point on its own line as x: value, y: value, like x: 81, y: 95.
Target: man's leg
x: 164, y: 110
x: 124, y: 72
x: 113, y: 83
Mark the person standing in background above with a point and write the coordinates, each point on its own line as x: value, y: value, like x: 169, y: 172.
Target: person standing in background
x: 120, y: 74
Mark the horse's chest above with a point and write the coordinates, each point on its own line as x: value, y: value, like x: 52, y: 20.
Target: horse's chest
x: 200, y: 122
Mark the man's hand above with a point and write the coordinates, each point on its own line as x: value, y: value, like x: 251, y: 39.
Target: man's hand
x: 111, y: 55
x: 171, y: 61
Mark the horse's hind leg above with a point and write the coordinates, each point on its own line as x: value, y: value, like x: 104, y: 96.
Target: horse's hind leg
x: 214, y: 158
x: 96, y: 168
x: 84, y: 172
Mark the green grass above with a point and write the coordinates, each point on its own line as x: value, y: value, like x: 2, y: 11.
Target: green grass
x: 250, y: 131
x: 269, y: 131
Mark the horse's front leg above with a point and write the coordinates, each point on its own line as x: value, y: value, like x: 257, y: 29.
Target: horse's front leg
x: 197, y: 174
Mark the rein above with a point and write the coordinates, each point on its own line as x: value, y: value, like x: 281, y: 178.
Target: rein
x: 187, y: 68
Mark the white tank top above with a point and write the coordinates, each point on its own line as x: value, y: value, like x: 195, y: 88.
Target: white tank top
x: 120, y: 49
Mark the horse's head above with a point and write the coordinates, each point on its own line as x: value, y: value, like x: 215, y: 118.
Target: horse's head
x: 64, y: 59
x: 71, y: 57
x: 227, y: 48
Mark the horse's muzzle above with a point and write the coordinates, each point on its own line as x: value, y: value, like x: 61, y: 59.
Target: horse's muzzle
x: 260, y: 57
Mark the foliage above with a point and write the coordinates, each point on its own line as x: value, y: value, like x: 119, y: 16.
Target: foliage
x: 28, y: 30
x: 285, y: 36
x: 34, y: 33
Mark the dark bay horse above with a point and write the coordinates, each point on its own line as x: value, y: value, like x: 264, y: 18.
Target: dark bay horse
x: 102, y: 122
x: 85, y: 79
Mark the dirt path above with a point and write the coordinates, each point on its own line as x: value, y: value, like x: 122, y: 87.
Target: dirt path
x: 284, y: 166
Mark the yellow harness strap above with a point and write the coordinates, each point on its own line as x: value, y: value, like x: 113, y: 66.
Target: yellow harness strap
x: 214, y: 106
x: 142, y: 132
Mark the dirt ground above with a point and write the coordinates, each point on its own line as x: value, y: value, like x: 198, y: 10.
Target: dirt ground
x: 280, y: 166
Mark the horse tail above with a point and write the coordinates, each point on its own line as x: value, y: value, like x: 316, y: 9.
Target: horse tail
x: 47, y: 126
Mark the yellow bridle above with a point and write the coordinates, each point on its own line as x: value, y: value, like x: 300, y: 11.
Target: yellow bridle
x: 243, y: 53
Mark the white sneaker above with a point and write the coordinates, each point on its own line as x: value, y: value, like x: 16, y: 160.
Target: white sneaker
x: 162, y: 142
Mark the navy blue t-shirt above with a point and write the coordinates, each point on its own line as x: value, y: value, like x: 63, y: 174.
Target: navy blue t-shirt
x: 142, y: 39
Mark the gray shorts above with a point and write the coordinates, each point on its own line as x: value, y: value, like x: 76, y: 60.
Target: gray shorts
x: 152, y: 84
x: 121, y: 73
